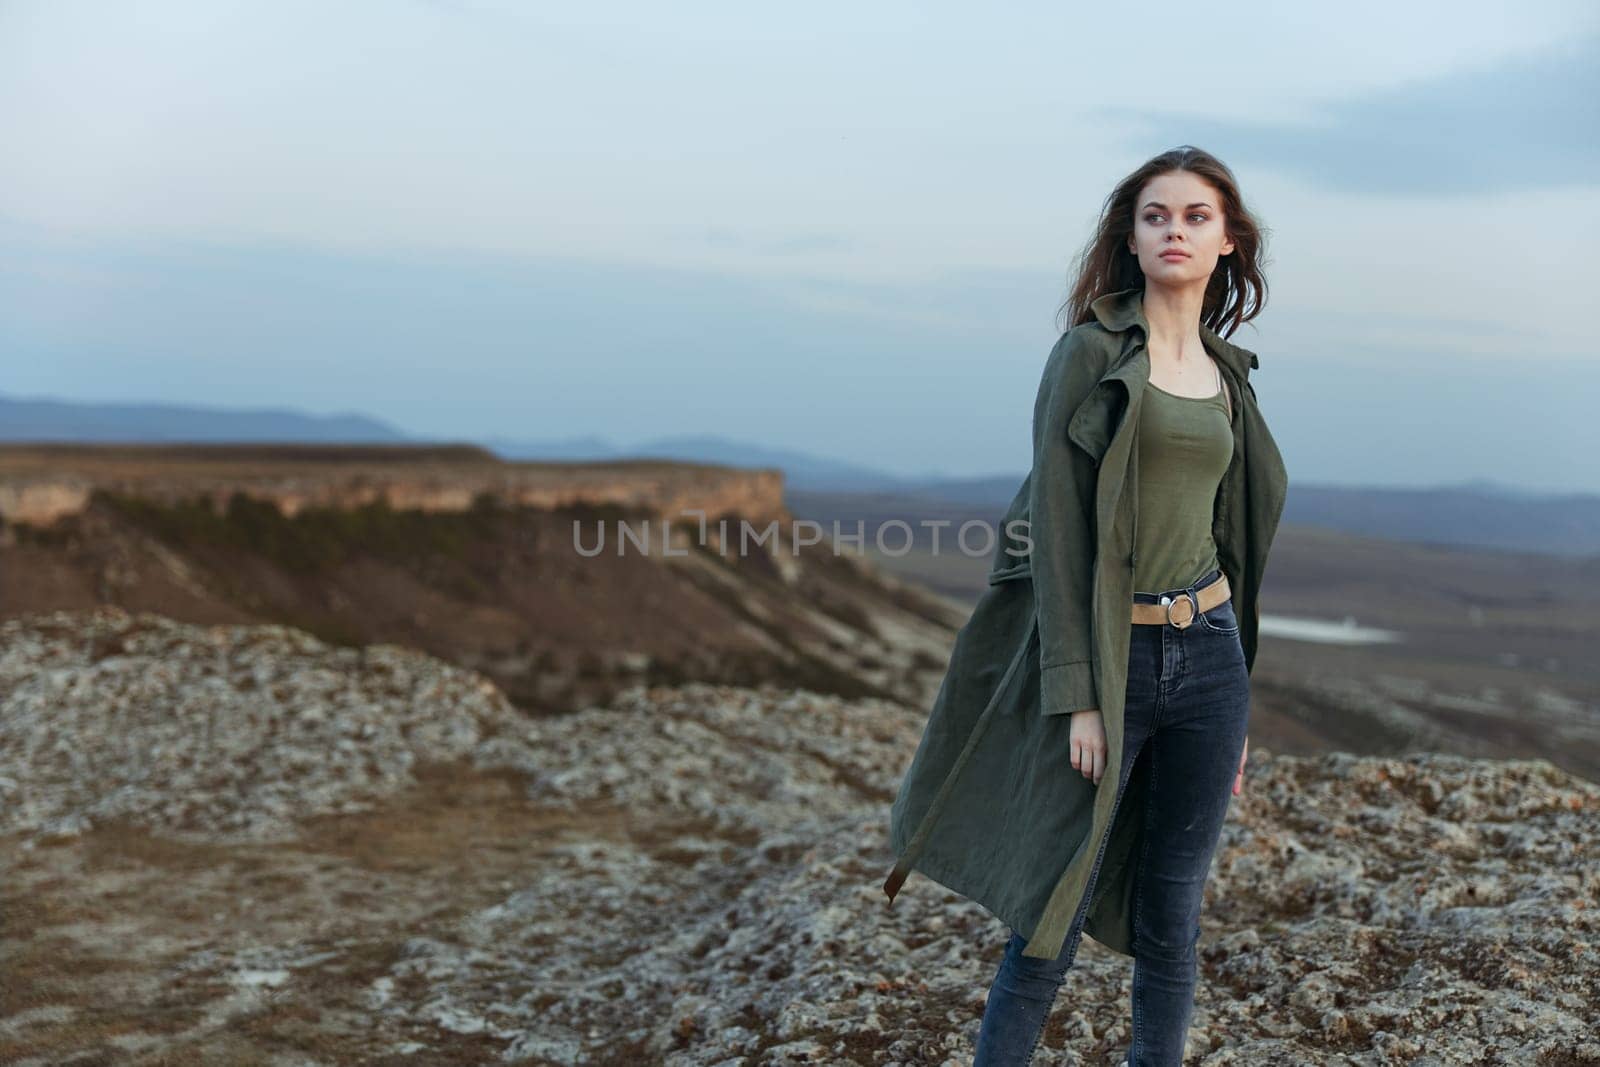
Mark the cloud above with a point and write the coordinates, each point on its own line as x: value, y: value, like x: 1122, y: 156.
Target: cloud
x: 742, y: 240
x: 1529, y: 124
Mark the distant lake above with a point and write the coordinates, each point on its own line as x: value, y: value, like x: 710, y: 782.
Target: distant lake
x: 1326, y: 631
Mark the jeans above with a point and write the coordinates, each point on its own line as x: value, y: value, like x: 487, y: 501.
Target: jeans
x: 1188, y: 705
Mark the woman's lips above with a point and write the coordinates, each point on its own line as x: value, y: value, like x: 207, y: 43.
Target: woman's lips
x: 1174, y: 255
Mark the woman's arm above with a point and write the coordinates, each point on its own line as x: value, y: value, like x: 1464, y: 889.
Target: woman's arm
x: 1062, y: 529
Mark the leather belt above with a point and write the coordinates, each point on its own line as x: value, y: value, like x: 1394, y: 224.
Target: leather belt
x: 1181, y: 609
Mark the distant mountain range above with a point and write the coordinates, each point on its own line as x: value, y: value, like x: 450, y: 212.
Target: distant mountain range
x: 800, y: 470
x: 1476, y: 513
x: 43, y: 419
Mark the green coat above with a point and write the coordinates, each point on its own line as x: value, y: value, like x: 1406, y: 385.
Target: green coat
x: 991, y: 806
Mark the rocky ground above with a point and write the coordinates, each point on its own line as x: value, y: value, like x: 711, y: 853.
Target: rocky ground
x: 238, y: 845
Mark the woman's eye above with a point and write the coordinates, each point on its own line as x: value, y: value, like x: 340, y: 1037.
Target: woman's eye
x: 1197, y: 217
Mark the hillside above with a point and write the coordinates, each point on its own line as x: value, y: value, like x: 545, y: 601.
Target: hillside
x: 478, y: 561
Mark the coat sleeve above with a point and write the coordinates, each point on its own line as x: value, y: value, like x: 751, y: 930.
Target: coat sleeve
x: 1062, y: 528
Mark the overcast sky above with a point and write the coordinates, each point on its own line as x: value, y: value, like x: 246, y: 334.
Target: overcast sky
x: 841, y: 228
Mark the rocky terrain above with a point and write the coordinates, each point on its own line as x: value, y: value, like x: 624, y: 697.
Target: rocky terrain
x: 237, y: 844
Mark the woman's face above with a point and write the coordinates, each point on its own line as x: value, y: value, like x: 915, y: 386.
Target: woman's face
x: 1178, y: 212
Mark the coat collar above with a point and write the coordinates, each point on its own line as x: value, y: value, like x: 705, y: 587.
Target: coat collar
x: 1125, y: 307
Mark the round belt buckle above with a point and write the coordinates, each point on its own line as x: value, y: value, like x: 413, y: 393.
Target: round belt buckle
x: 1186, y: 606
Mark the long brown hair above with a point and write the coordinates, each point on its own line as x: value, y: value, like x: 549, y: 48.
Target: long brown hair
x: 1237, y: 291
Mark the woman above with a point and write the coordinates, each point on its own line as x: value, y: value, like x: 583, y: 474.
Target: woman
x: 1119, y: 630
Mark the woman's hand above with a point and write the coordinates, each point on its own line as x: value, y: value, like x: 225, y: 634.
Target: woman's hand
x: 1238, y: 780
x: 1088, y: 743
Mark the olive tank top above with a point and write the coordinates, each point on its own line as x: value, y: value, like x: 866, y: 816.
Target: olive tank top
x: 1185, y: 446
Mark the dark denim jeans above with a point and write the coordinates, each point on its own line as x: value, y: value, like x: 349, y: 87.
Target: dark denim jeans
x: 1188, y: 706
